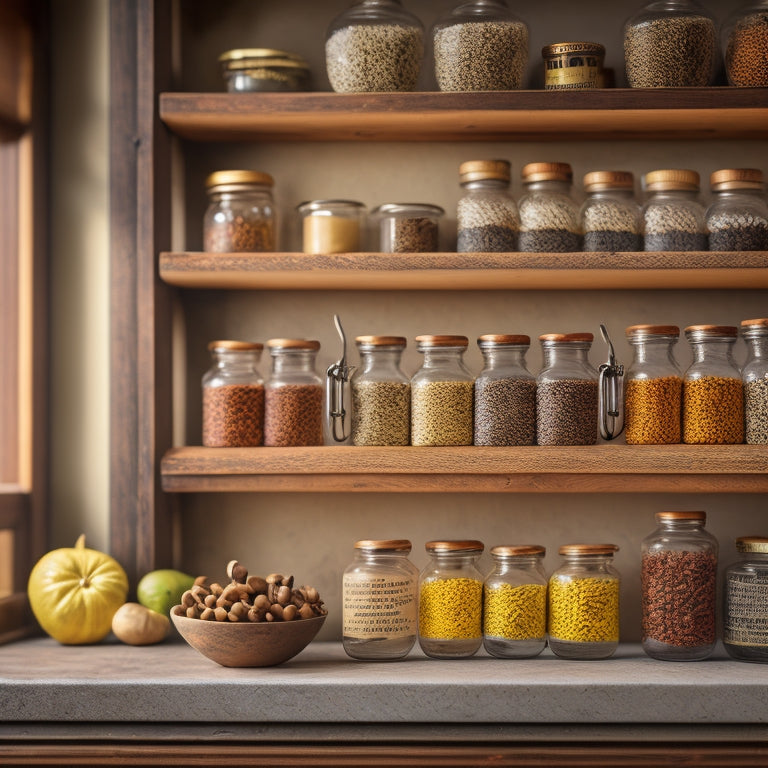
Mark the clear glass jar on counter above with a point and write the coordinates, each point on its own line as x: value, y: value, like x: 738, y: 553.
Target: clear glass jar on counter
x: 515, y: 603
x: 737, y: 218
x: 408, y: 227
x: 240, y: 217
x: 713, y: 396
x: 745, y: 596
x: 451, y: 600
x: 673, y: 217
x: 505, y: 392
x: 263, y: 70
x: 332, y: 226
x: 754, y: 376
x: 583, y: 601
x: 480, y: 46
x: 671, y: 44
x: 744, y: 38
x: 549, y: 216
x: 233, y: 396
x: 486, y: 216
x: 678, y: 581
x: 566, y: 391
x: 610, y: 217
x: 381, y: 393
x: 375, y: 45
x: 653, y: 386
x: 293, y: 405
x: 442, y: 393
x: 380, y: 601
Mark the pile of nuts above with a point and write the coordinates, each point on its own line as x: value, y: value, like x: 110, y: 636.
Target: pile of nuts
x: 250, y: 598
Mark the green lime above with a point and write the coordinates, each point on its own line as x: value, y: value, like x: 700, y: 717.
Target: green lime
x: 162, y: 589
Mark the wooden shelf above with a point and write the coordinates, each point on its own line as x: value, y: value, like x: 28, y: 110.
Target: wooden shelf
x: 585, y: 469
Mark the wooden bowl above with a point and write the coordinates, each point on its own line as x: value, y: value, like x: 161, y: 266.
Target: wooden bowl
x: 248, y: 643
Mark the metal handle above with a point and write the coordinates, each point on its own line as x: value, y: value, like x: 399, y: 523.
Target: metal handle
x: 338, y: 374
x: 610, y: 393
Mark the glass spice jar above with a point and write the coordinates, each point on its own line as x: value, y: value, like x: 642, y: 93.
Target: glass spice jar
x: 293, y: 404
x: 583, y: 603
x: 240, y: 217
x: 233, y: 396
x: 653, y: 387
x: 381, y: 393
x: 515, y: 603
x: 678, y: 575
x: 442, y: 393
x: 610, y: 217
x: 451, y: 600
x: 673, y: 217
x: 737, y: 218
x: 744, y: 38
x: 408, y: 227
x: 332, y: 226
x: 505, y: 392
x: 380, y: 601
x: 263, y: 70
x: 754, y: 376
x: 713, y: 397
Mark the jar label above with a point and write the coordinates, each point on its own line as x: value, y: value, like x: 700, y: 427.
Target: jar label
x: 745, y: 621
x: 378, y: 607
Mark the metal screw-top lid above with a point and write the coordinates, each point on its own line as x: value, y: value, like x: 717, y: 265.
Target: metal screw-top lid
x: 672, y: 179
x: 704, y: 331
x: 595, y: 181
x: 231, y: 180
x: 736, y: 178
x: 546, y: 172
x: 584, y: 550
x: 557, y: 49
x: 384, y: 545
x: 672, y: 516
x: 447, y: 547
x: 752, y: 544
x: 477, y: 170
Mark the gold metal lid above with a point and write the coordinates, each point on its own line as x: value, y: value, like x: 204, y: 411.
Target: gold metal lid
x: 752, y: 544
x: 238, y: 178
x: 652, y: 330
x: 385, y: 545
x: 712, y: 330
x: 597, y: 180
x: 244, y: 346
x: 465, y: 545
x: 408, y: 209
x: 475, y: 170
x: 308, y: 344
x: 672, y: 179
x: 557, y: 49
x: 381, y: 341
x: 736, y: 178
x: 556, y: 337
x: 443, y: 341
x: 501, y: 339
x: 546, y: 172
x: 518, y: 550
x: 666, y: 516
x: 578, y: 550
x: 248, y: 58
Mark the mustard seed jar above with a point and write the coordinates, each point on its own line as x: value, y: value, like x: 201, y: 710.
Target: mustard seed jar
x: 713, y: 397
x: 673, y: 217
x: 380, y: 601
x: 332, y: 226
x: 653, y: 386
x: 515, y: 603
x: 754, y: 376
x: 744, y: 38
x: 233, y: 396
x: 678, y: 575
x: 408, y: 227
x: 451, y: 600
x: 583, y: 603
x: 745, y: 601
x: 240, y: 216
x: 263, y: 70
x: 610, y: 217
x: 737, y: 218
x: 442, y: 393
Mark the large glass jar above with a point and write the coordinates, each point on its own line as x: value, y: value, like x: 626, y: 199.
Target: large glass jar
x: 713, y: 396
x: 671, y: 44
x: 442, y: 393
x: 380, y: 600
x: 744, y: 37
x: 745, y: 596
x: 505, y: 392
x: 737, y: 218
x: 376, y: 45
x: 332, y: 226
x: 233, y: 396
x: 381, y: 393
x: 653, y: 386
x: 480, y: 46
x: 566, y: 391
x: 610, y: 217
x: 678, y: 579
x: 515, y: 603
x: 583, y: 600
x: 673, y: 217
x: 754, y: 376
x: 451, y: 600
x: 293, y: 405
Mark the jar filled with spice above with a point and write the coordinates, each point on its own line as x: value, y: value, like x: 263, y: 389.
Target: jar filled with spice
x: 610, y: 217
x: 515, y: 603
x: 263, y: 70
x: 240, y: 216
x: 408, y: 227
x: 584, y: 603
x: 737, y: 218
x: 381, y: 393
x: 713, y: 397
x: 673, y: 217
x: 451, y: 600
x: 744, y: 36
x: 380, y: 601
x: 233, y: 396
x: 332, y: 226
x: 293, y: 405
x: 442, y: 393
x: 678, y: 579
x: 754, y: 376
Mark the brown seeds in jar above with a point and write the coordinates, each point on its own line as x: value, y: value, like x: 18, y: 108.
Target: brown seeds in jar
x: 293, y: 415
x: 233, y: 415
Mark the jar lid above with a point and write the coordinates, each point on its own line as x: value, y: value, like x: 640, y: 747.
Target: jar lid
x: 668, y: 516
x: 547, y: 172
x: 408, y: 209
x: 327, y: 206
x: 518, y: 550
x: 712, y: 330
x: 293, y: 344
x: 228, y: 344
x: 566, y: 337
x: 238, y: 178
x: 258, y: 55
x: 752, y: 544
x: 672, y: 179
x: 381, y: 341
x: 558, y: 49
x: 385, y: 545
x: 736, y: 178
x: 443, y: 341
x: 577, y: 550
x: 467, y: 545
x: 635, y: 331
x: 503, y: 339
x: 597, y: 180
x: 476, y: 170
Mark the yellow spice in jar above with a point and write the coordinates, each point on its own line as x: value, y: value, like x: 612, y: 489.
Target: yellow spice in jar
x: 515, y: 612
x: 451, y: 609
x: 331, y: 234
x: 652, y: 410
x: 713, y: 411
x: 584, y: 610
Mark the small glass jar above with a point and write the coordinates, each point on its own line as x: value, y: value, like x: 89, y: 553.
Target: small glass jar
x: 240, y: 217
x: 480, y: 46
x: 451, y: 600
x: 408, y: 227
x: 671, y: 44
x: 754, y: 376
x: 233, y: 396
x: 549, y: 216
x: 505, y: 392
x: 610, y: 217
x: 293, y: 405
x: 737, y: 218
x: 673, y: 217
x: 573, y: 65
x: 566, y: 391
x: 486, y: 216
x: 745, y: 596
x: 653, y: 386
x: 263, y: 70
x: 442, y: 393
x: 583, y: 601
x: 678, y: 580
x: 380, y: 601
x: 376, y: 45
x: 381, y: 393
x: 713, y: 396
x: 515, y: 603
x: 744, y: 38
x: 332, y: 226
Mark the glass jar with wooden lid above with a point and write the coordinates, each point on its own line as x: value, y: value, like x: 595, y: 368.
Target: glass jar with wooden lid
x: 610, y: 217
x: 673, y: 216
x: 737, y: 217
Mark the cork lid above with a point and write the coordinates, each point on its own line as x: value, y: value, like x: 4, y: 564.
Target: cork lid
x: 503, y: 339
x: 518, y: 550
x: 442, y: 341
x: 566, y: 337
x: 762, y: 322
x: 736, y: 178
x: 672, y: 516
x: 712, y: 330
x: 237, y: 346
x: 578, y: 550
x: 752, y: 544
x: 475, y: 170
x: 547, y: 172
x: 672, y: 179
x: 597, y: 180
x: 381, y: 341
x: 219, y: 179
x: 307, y: 344
x: 463, y: 545
x: 639, y: 331
x: 384, y: 545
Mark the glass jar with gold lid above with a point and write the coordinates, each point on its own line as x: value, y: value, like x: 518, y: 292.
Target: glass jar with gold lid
x: 263, y: 70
